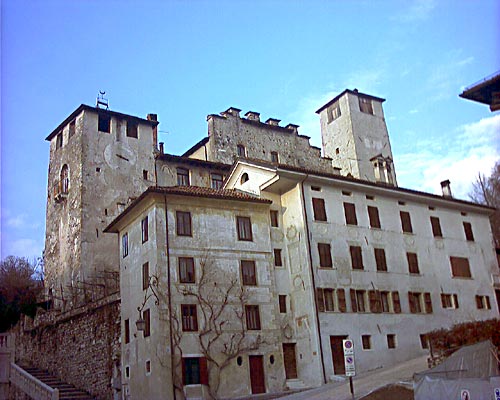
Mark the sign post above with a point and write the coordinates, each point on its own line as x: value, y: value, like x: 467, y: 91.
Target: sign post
x: 350, y: 368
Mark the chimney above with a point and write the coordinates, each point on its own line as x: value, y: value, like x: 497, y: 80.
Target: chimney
x: 293, y: 127
x: 273, y: 121
x: 445, y: 187
x: 253, y: 116
x: 235, y: 112
x: 161, y: 147
x: 154, y: 117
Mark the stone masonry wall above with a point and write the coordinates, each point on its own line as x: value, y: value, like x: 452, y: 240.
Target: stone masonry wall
x: 81, y: 347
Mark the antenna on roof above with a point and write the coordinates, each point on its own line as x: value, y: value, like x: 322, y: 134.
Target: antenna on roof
x: 101, y: 100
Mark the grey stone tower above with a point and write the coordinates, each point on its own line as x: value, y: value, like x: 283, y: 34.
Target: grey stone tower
x: 99, y: 161
x: 355, y: 137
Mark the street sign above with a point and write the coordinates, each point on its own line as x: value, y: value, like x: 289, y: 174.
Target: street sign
x: 497, y: 393
x: 350, y: 368
x: 464, y: 394
x: 348, y: 347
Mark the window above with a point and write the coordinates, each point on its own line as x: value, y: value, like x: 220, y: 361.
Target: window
x: 428, y: 303
x: 132, y: 129
x: 145, y: 174
x: 324, y: 298
x: 182, y: 177
x: 189, y: 318
x: 278, y: 262
x: 356, y: 257
x: 460, y: 267
x: 59, y: 140
x: 333, y: 112
x: 145, y: 229
x: 194, y: 371
x: 252, y: 317
x: 424, y: 342
x: 244, y: 228
x: 469, y: 235
x: 449, y: 300
x: 274, y: 157
x: 396, y: 304
x: 319, y: 209
x: 341, y: 300
x: 244, y: 178
x: 217, y: 181
x: 104, y: 123
x: 148, y: 367
x: 325, y: 255
x: 72, y: 128
x: 316, y: 188
x: 183, y: 219
x: 375, y: 301
x: 391, y: 341
x: 384, y: 301
x: 374, y: 217
x: 125, y: 245
x: 358, y: 303
x: 282, y: 302
x: 365, y: 105
x: 406, y: 221
x: 380, y: 260
x: 350, y: 214
x: 274, y: 218
x: 242, y: 152
x: 147, y: 320
x: 483, y: 302
x: 412, y: 263
x: 127, y: 330
x: 415, y: 301
x: 64, y: 179
x: 186, y: 270
x: 366, y: 340
x: 127, y: 372
x: 248, y: 274
x: 436, y: 227
x: 145, y: 275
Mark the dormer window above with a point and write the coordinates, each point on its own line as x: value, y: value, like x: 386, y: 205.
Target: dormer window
x: 382, y: 168
x: 182, y: 177
x: 365, y: 105
x: 242, y: 151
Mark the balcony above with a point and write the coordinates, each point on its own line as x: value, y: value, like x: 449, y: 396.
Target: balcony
x: 60, y: 190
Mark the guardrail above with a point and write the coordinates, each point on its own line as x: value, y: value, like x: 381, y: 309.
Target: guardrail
x: 33, y: 387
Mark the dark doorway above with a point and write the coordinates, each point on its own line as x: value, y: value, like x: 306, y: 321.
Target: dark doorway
x: 290, y: 360
x: 497, y: 294
x: 257, y: 374
x: 337, y: 354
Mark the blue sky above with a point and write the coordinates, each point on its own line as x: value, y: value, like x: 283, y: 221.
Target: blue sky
x: 186, y: 59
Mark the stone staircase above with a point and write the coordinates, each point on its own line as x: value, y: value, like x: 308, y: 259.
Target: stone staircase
x: 66, y: 391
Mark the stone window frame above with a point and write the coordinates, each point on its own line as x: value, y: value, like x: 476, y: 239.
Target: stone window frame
x: 183, y: 223
x: 460, y: 267
x: 319, y: 209
x: 374, y: 217
x: 183, y: 178
x: 252, y: 317
x: 356, y: 253
x: 145, y: 229
x: 125, y: 245
x: 241, y: 151
x: 248, y: 273
x: 64, y: 179
x: 278, y: 259
x: 189, y: 316
x: 187, y: 273
x: 436, y: 227
x: 275, y: 159
x: 469, y: 234
x: 412, y: 260
x: 244, y: 228
x: 380, y: 259
x: 216, y: 180
x: 406, y: 225
x: 325, y: 255
x: 350, y: 214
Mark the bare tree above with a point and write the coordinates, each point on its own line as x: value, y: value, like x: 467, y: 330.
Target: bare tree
x: 486, y: 190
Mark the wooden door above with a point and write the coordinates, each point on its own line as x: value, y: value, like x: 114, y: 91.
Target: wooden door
x: 257, y: 380
x: 337, y: 354
x: 290, y: 360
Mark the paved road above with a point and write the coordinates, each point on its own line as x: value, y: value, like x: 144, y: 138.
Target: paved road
x: 364, y: 383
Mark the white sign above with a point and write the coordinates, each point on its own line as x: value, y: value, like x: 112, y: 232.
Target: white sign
x: 464, y: 394
x: 497, y: 393
x: 350, y: 368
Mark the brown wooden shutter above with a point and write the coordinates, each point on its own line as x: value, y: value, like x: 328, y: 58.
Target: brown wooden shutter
x: 350, y: 214
x: 341, y: 299
x: 354, y: 304
x: 428, y: 303
x: 320, y: 299
x: 183, y: 371
x: 374, y: 217
x: 455, y: 300
x: 411, y: 301
x: 203, y: 371
x: 374, y: 297
x: 396, y: 303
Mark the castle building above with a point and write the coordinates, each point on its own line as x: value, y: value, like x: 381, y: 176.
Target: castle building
x: 246, y: 261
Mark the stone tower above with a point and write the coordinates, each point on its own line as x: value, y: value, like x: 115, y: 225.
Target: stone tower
x: 355, y: 137
x: 99, y: 161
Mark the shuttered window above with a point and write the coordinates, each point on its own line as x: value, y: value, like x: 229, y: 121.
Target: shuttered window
x: 341, y: 300
x: 460, y: 267
x: 380, y: 260
x: 374, y: 217
x: 469, y: 235
x: 186, y: 270
x: 252, y: 317
x: 350, y: 214
x: 248, y: 274
x: 412, y: 263
x: 396, y: 303
x: 436, y: 227
x: 189, y: 318
x: 319, y: 209
x: 183, y: 223
x: 356, y: 257
x: 325, y: 255
x: 244, y: 228
x: 406, y: 222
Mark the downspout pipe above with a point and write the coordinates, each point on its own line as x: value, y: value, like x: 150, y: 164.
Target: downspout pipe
x: 313, y: 279
x: 169, y: 297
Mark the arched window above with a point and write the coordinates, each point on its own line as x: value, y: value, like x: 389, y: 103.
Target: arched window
x: 244, y: 178
x: 64, y: 179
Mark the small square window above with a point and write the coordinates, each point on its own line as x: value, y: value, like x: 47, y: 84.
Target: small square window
x: 274, y: 218
x: 145, y: 275
x: 132, y: 129
x: 248, y: 273
x: 145, y: 229
x: 189, y: 317
x: 366, y: 341
x: 244, y: 228
x: 365, y: 105
x: 391, y: 341
x: 217, y: 181
x: 278, y: 261
x: 186, y: 270
x: 252, y: 317
x: 183, y: 223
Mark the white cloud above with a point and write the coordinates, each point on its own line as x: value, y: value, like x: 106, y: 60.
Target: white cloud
x: 16, y: 221
x: 24, y: 247
x: 419, y: 10
x: 475, y: 149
